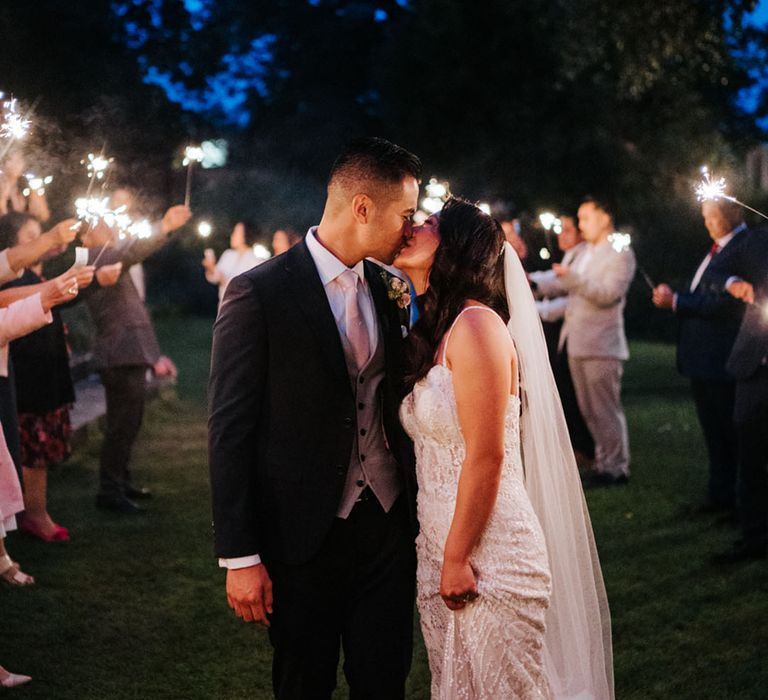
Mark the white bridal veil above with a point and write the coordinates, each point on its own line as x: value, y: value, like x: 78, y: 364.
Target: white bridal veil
x: 578, y: 654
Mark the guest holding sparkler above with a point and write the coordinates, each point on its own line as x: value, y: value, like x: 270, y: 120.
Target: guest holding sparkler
x: 12, y: 197
x: 709, y: 320
x: 748, y: 363
x: 125, y: 347
x: 552, y: 301
x: 237, y: 259
x: 23, y: 316
x: 43, y: 386
x: 594, y: 339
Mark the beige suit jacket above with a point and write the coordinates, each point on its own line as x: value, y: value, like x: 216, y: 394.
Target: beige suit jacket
x: 594, y: 318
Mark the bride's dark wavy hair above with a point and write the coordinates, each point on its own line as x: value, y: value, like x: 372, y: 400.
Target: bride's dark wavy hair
x: 468, y: 265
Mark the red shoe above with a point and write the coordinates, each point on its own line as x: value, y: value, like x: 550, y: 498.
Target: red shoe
x: 59, y: 534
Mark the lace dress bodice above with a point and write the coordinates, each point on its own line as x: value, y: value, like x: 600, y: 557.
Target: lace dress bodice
x: 493, y: 648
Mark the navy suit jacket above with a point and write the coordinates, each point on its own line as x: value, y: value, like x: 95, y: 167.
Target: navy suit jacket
x: 282, y: 410
x: 710, y: 318
x: 751, y: 345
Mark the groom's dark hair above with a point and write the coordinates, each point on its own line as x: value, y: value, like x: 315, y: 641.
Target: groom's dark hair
x: 370, y: 161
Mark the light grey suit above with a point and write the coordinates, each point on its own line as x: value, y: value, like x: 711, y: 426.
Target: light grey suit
x: 593, y: 335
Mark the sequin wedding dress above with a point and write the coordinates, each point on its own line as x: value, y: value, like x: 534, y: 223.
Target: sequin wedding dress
x: 540, y: 627
x: 493, y: 648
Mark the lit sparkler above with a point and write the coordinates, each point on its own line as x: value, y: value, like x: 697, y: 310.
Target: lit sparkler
x: 437, y: 194
x: 711, y: 189
x: 14, y: 125
x: 192, y: 155
x: 261, y: 252
x: 551, y: 224
x: 36, y: 184
x: 204, y: 229
x: 97, y: 165
x: 621, y: 243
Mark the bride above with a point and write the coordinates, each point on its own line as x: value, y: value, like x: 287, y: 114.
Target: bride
x: 510, y: 591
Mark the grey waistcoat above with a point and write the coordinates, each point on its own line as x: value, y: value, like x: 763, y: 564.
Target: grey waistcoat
x: 371, y: 463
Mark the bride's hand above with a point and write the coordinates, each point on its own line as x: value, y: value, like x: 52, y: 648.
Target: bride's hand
x: 458, y: 584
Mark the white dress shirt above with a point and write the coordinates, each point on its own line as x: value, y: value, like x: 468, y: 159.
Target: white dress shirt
x: 329, y: 267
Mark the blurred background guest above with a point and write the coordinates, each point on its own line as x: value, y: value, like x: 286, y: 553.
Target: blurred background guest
x: 284, y: 239
x: 126, y: 197
x: 43, y: 388
x: 125, y: 347
x: 551, y: 302
x: 597, y: 282
x: 511, y: 228
x: 12, y: 198
x: 709, y: 321
x: 237, y: 259
x: 19, y: 318
x: 748, y: 363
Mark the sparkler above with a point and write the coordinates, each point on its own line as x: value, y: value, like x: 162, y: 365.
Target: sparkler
x: 36, y: 184
x: 712, y: 189
x: 551, y: 224
x: 204, y: 229
x: 192, y: 155
x: 261, y: 252
x: 97, y: 165
x: 437, y: 193
x: 14, y: 125
x: 622, y: 242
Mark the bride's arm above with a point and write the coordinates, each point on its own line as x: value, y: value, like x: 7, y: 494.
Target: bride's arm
x: 482, y: 360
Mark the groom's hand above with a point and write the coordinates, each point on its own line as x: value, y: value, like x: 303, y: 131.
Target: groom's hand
x: 249, y: 593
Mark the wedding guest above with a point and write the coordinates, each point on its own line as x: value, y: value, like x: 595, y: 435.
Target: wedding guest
x: 12, y: 197
x: 43, y: 388
x: 18, y: 319
x: 708, y: 323
x: 237, y: 259
x: 125, y: 347
x: 126, y: 197
x: 552, y: 301
x: 284, y: 239
x: 511, y: 230
x: 593, y: 335
x: 13, y: 260
x: 748, y: 363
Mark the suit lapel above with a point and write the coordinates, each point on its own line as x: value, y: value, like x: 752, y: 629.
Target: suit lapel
x: 302, y: 277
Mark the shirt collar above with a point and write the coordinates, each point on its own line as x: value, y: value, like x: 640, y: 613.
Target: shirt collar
x: 725, y: 240
x: 328, y: 265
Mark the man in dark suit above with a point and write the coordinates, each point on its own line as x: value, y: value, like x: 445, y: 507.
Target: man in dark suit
x: 311, y: 473
x: 709, y: 320
x: 748, y: 363
x: 124, y: 348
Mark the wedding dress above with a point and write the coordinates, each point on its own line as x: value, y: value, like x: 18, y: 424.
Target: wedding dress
x: 493, y: 647
x: 540, y: 627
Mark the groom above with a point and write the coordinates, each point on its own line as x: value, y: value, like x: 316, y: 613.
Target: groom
x: 311, y: 472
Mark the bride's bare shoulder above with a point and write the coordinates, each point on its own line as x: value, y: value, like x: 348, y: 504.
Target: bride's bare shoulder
x: 479, y: 335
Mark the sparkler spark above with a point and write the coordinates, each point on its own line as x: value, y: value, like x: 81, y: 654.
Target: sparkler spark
x: 97, y: 165
x: 709, y: 189
x: 193, y: 154
x: 14, y: 125
x: 204, y: 229
x: 36, y: 184
x: 620, y: 242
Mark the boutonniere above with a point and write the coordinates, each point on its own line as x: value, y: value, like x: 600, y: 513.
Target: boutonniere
x: 397, y: 290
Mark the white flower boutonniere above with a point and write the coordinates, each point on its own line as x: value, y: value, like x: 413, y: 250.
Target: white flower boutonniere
x: 397, y: 290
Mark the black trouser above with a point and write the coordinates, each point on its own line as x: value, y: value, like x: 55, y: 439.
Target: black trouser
x: 752, y: 431
x: 358, y: 590
x: 124, y: 388
x: 714, y: 405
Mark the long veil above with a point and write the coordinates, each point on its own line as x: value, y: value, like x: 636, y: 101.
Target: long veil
x: 578, y: 650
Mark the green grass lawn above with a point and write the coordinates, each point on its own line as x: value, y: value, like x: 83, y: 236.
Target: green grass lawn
x: 135, y: 607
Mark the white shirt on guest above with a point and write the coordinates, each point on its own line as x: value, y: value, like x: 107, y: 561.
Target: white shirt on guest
x: 329, y: 267
x: 231, y: 264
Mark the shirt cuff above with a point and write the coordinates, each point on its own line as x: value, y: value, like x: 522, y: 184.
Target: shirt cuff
x: 674, y: 302
x: 239, y: 562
